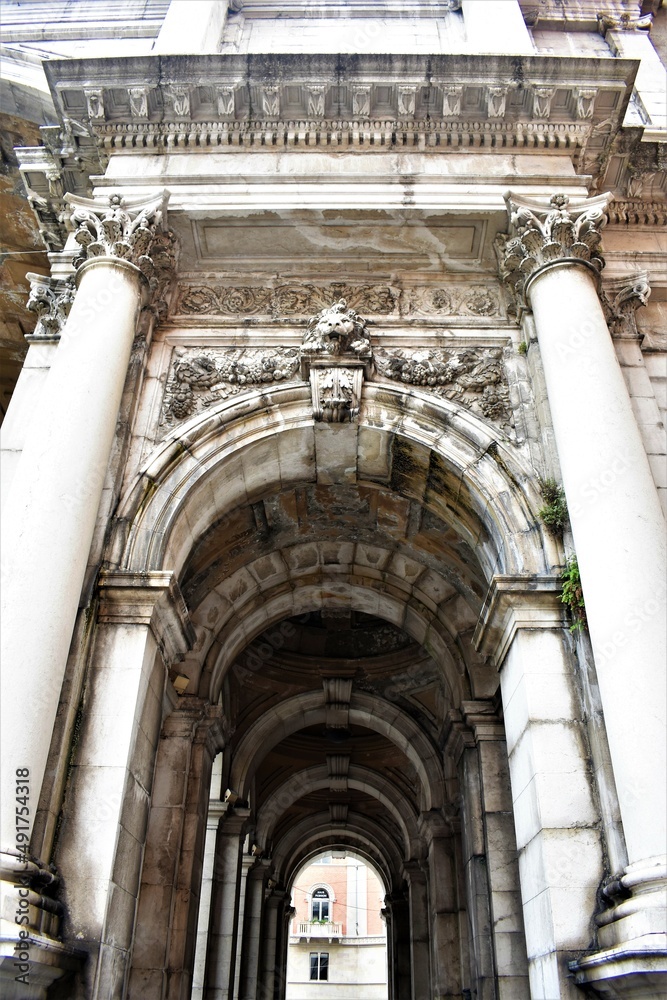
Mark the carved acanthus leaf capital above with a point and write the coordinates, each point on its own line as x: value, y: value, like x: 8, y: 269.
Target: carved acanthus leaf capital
x: 621, y: 299
x: 135, y: 233
x: 51, y: 299
x: 624, y: 22
x: 541, y: 235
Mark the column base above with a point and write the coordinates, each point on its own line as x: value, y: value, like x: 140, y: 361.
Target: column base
x: 31, y: 956
x: 632, y: 934
x: 47, y: 960
x: 623, y: 974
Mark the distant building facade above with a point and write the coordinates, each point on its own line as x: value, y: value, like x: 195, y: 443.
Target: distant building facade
x: 337, y: 936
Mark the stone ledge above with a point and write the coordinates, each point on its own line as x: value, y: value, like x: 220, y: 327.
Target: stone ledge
x: 515, y: 602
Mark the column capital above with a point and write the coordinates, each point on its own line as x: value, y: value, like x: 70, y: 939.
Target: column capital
x: 153, y: 599
x: 514, y: 602
x: 133, y: 231
x: 542, y: 236
x: 620, y: 299
x: 51, y: 299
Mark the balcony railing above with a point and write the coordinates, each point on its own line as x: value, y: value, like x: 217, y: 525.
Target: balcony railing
x: 315, y: 929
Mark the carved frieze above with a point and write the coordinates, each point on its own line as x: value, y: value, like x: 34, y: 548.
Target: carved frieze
x: 199, y: 378
x: 450, y: 301
x: 474, y: 378
x: 303, y: 299
x: 51, y: 299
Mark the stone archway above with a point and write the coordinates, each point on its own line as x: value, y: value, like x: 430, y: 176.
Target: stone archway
x: 272, y: 543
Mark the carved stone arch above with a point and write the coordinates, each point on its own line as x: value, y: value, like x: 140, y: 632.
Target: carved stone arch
x: 377, y: 597
x: 359, y: 778
x: 315, y: 833
x: 308, y: 709
x: 218, y: 460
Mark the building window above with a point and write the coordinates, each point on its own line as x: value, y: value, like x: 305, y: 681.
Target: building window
x: 319, y: 965
x: 320, y: 905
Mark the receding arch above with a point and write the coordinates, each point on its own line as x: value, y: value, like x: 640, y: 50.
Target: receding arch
x: 377, y: 597
x: 308, y: 709
x: 359, y: 778
x: 315, y: 834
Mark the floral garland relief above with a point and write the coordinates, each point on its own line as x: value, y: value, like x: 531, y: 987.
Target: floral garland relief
x: 473, y: 378
x: 201, y: 378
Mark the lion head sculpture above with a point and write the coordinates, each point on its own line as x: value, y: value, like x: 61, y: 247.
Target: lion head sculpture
x: 337, y: 330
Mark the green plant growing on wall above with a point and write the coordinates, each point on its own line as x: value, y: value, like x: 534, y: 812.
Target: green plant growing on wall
x: 554, y: 511
x: 523, y: 347
x: 573, y: 596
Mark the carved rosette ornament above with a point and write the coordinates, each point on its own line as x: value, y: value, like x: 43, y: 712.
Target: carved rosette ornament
x: 51, y: 299
x: 335, y: 357
x: 128, y: 232
x: 548, y: 236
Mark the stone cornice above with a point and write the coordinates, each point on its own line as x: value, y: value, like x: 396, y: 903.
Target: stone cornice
x: 513, y: 603
x: 280, y: 100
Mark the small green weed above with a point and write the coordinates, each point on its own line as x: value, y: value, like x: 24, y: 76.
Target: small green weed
x: 573, y: 596
x: 554, y: 512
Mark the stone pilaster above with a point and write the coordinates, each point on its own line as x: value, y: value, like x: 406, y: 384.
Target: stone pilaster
x: 420, y: 959
x: 444, y: 916
x: 476, y: 742
x: 522, y: 629
x: 171, y: 875
x: 225, y: 898
x: 252, y: 925
x: 274, y: 902
x: 552, y: 259
x: 142, y: 628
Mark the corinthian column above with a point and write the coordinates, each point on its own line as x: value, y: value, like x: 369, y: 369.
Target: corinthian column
x: 553, y: 260
x: 50, y: 512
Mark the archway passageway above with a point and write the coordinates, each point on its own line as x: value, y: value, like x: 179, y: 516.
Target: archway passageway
x: 333, y: 613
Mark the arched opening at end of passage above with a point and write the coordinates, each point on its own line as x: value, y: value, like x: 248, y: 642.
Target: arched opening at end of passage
x: 338, y: 932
